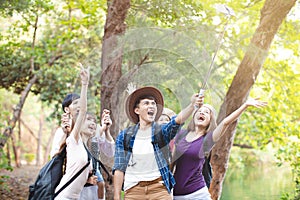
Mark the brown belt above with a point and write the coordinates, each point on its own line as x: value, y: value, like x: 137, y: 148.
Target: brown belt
x: 146, y: 183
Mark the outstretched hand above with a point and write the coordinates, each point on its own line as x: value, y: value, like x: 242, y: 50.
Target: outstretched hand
x: 84, y: 74
x: 256, y: 102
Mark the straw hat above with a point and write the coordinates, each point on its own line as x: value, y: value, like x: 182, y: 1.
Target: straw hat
x: 144, y: 91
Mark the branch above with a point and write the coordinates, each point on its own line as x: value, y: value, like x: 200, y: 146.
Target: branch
x: 244, y: 146
x: 28, y: 128
x: 16, y: 113
x: 53, y: 59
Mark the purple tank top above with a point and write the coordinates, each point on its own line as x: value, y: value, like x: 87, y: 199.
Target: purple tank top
x: 189, y: 164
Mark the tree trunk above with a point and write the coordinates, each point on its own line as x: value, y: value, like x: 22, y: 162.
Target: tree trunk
x: 111, y: 62
x: 272, y: 15
x: 16, y: 113
x: 15, y: 150
x: 8, y: 155
x: 40, y: 139
x: 18, y: 152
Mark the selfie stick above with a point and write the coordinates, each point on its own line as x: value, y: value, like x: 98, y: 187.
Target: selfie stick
x: 228, y: 12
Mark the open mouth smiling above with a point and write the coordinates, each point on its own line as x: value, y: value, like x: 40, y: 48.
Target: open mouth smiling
x: 92, y: 128
x: 151, y: 113
x: 201, y: 118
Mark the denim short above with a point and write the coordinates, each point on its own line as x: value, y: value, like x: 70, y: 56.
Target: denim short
x: 99, y: 175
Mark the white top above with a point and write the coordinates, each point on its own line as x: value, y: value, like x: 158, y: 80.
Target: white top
x: 59, y: 137
x: 143, y: 160
x: 76, y: 159
x: 105, y: 146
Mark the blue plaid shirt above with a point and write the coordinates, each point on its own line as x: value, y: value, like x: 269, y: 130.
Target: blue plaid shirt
x: 121, y: 158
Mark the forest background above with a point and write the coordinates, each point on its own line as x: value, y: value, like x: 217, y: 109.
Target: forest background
x: 168, y: 44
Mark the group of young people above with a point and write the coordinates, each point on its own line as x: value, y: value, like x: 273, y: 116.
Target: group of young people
x: 141, y: 168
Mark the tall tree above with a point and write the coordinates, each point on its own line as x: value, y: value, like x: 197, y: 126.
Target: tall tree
x: 272, y: 15
x: 33, y: 22
x: 111, y: 60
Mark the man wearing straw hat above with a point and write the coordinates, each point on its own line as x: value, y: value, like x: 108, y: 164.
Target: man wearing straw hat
x: 139, y: 165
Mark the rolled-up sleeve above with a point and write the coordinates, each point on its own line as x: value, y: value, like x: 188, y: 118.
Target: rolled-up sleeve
x: 119, y: 158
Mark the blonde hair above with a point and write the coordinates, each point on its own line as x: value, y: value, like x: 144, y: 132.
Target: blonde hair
x: 212, y: 123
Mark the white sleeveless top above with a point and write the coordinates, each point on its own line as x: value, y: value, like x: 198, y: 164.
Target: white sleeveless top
x: 76, y: 159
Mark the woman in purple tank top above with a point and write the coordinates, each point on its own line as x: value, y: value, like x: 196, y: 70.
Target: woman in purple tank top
x: 202, y: 133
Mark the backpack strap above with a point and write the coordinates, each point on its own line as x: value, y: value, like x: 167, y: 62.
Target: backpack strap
x: 158, y: 138
x: 101, y: 166
x: 205, y: 148
x: 163, y: 146
x: 127, y: 136
x: 75, y: 176
x: 109, y: 176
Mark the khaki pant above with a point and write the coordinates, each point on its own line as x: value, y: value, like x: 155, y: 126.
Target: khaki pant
x: 156, y: 191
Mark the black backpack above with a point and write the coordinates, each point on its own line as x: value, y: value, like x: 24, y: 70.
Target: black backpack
x: 207, y: 169
x: 50, y: 176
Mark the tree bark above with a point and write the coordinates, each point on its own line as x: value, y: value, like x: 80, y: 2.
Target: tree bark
x: 15, y: 150
x: 18, y: 152
x: 111, y: 60
x: 272, y: 15
x: 111, y: 64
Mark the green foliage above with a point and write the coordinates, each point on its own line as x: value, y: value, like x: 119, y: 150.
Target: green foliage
x: 178, y: 39
x: 4, y: 164
x: 29, y: 157
x: 56, y: 51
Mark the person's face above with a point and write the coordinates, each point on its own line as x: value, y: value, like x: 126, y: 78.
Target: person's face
x: 146, y: 110
x: 163, y: 119
x: 73, y: 108
x: 89, y: 126
x: 202, y: 117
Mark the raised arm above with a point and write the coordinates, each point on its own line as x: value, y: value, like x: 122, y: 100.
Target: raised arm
x: 106, y: 141
x: 106, y: 123
x: 186, y: 112
x: 84, y: 75
x: 219, y: 131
